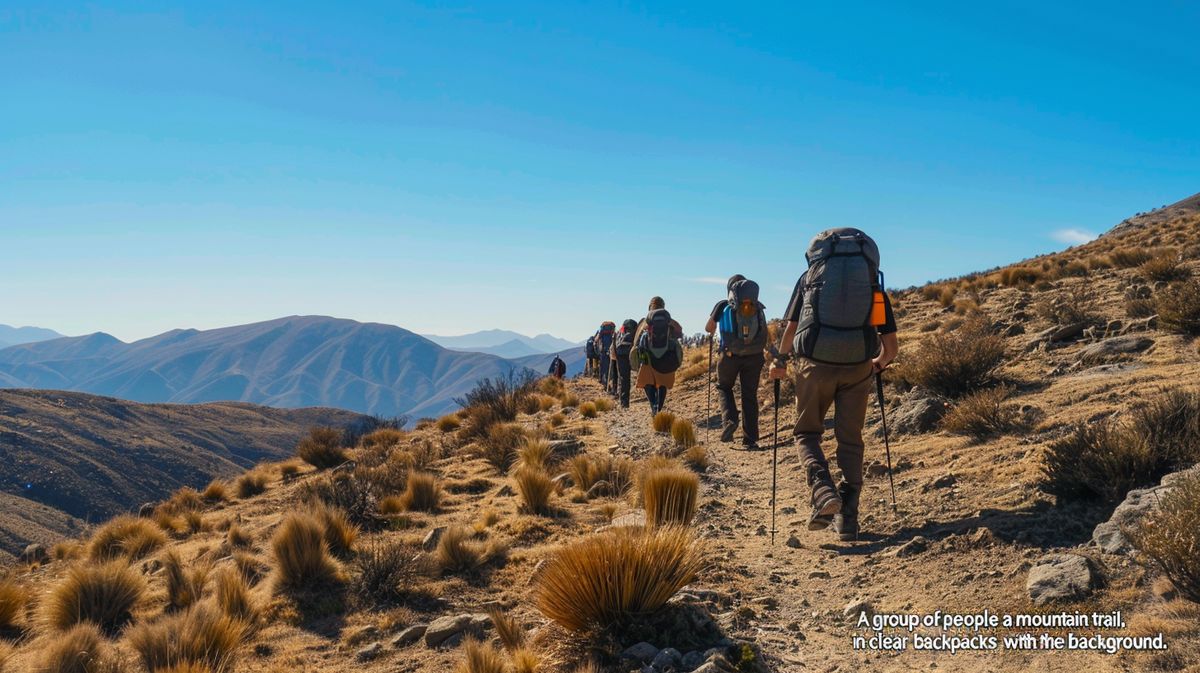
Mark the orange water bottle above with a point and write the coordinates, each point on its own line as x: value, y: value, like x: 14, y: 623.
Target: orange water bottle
x: 878, y: 312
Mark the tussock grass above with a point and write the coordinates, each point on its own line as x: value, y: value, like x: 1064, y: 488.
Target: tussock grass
x: 345, y: 491
x: 670, y: 496
x: 289, y: 471
x: 185, y: 585
x: 81, y: 649
x: 604, y: 580
x: 604, y: 404
x: 67, y: 550
x: 663, y: 421
x: 500, y: 445
x: 186, y: 499
x: 588, y: 410
x: 232, y: 594
x: 338, y: 531
x: 508, y: 630
x: 13, y: 598
x: 568, y: 400
x: 422, y: 494
x: 448, y: 423
x: 383, y: 438
x: 104, y: 595
x: 956, y: 363
x: 526, y: 661
x: 557, y: 420
x: 250, y: 484
x: 126, y: 536
x: 301, y: 557
x: 480, y: 657
x: 691, y: 372
x: 535, y: 488
x: 1179, y: 308
x: 587, y: 469
x: 216, y: 491
x: 983, y: 414
x: 534, y: 453
x: 383, y: 573
x: 458, y: 552
x: 546, y: 402
x: 391, y: 505
x: 696, y: 457
x: 1165, y: 267
x: 683, y: 432
x: 203, y: 635
x: 1127, y: 258
x: 322, y: 448
x: 237, y: 537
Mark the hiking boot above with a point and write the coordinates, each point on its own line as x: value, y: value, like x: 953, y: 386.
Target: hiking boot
x: 752, y: 446
x: 845, y: 523
x: 727, y: 432
x: 825, y: 499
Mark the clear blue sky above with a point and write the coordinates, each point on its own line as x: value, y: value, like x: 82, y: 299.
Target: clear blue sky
x: 544, y: 166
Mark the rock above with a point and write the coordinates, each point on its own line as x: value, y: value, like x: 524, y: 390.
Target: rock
x: 641, y: 653
x: 692, y: 660
x: 1118, y: 345
x: 146, y: 510
x: 35, y: 553
x: 409, y: 635
x: 443, y: 628
x: 913, y: 547
x: 432, y: 538
x: 598, y: 489
x: 1013, y: 330
x: 1065, y: 332
x: 1058, y: 577
x: 566, y: 447
x: 711, y: 667
x: 481, y: 622
x: 982, y: 537
x: 761, y: 530
x: 917, y: 415
x: 793, y: 541
x: 945, y: 481
x: 854, y: 608
x: 667, y: 658
x: 369, y: 652
x: 877, y: 470
x: 1108, y: 535
x: 506, y: 491
x: 818, y: 575
x: 562, y: 480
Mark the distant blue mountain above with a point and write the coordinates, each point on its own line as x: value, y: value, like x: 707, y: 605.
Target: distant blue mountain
x: 504, y: 343
x: 11, y: 336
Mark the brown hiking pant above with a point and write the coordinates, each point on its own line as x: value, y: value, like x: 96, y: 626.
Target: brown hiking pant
x: 846, y: 387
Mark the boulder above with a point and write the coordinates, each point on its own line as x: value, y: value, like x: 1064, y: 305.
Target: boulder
x: 854, y: 608
x: 642, y: 652
x: 35, y: 553
x: 409, y: 635
x: 916, y: 415
x: 1108, y: 536
x: 1113, y: 346
x: 432, y: 538
x: 369, y: 652
x: 443, y: 629
x: 1065, y: 332
x: 1061, y: 577
x: 667, y: 659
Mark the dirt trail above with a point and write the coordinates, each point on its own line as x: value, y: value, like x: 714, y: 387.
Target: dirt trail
x: 790, y: 597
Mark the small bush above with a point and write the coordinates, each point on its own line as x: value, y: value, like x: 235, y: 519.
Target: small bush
x: 1179, y: 308
x: 423, y: 493
x: 500, y: 445
x: 457, y: 552
x: 479, y: 657
x: 535, y: 489
x: 1170, y: 420
x: 383, y: 438
x: 1127, y: 258
x: 384, y: 573
x: 568, y: 400
x: 604, y: 404
x: 670, y: 496
x: 1164, y: 267
x: 322, y: 448
x: 125, y: 536
x: 238, y: 538
x: 338, y: 531
x: 956, y: 363
x: 251, y: 484
x: 684, y: 433
x: 82, y: 649
x: 1076, y: 304
x: 1140, y: 307
x: 501, y: 395
x: 663, y: 421
x: 696, y: 457
x: 184, y: 585
x: 588, y: 410
x: 13, y: 598
x: 605, y: 580
x: 535, y: 453
x: 1170, y: 537
x: 557, y: 420
x: 104, y: 595
x: 201, y: 636
x: 983, y: 414
x: 448, y: 423
x: 216, y: 491
x: 233, y: 596
x: 343, y: 491
x: 301, y: 557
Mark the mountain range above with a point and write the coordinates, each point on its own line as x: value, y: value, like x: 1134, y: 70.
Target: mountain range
x: 11, y: 336
x: 504, y: 343
x: 292, y: 362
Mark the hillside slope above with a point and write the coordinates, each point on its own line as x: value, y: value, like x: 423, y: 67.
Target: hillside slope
x: 72, y: 458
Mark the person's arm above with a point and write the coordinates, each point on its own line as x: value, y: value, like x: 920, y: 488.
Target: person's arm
x: 890, y: 347
x: 779, y: 367
x: 710, y: 326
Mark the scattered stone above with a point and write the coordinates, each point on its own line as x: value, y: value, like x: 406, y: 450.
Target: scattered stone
x: 369, y: 652
x: 982, y: 537
x: 1136, y: 505
x: 916, y: 415
x: 566, y: 447
x: 506, y: 491
x: 761, y: 530
x: 793, y: 541
x: 692, y: 660
x: 1112, y: 346
x: 598, y: 489
x: 1057, y: 577
x: 409, y: 635
x: 432, y: 538
x: 1065, y: 332
x: 913, y: 547
x: 641, y: 653
x: 854, y: 608
x: 35, y: 553
x: 443, y: 628
x: 945, y: 481
x: 667, y: 659
x: 819, y: 575
x: 146, y: 510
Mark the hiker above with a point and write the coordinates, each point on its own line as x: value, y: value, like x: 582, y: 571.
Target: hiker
x: 657, y: 353
x: 603, y: 342
x: 558, y: 368
x: 841, y: 328
x: 743, y: 324
x: 593, y: 363
x: 622, y: 345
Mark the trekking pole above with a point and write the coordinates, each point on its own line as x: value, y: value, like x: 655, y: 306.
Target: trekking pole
x: 708, y: 411
x: 886, y: 447
x: 774, y: 461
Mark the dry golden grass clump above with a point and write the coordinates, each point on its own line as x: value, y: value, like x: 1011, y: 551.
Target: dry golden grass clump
x: 956, y: 363
x: 607, y: 579
x: 185, y: 585
x: 458, y: 552
x: 535, y: 453
x: 683, y: 432
x: 983, y: 414
x: 448, y: 423
x: 337, y: 529
x: 383, y: 438
x: 535, y: 488
x: 13, y: 598
x: 81, y: 649
x: 216, y: 491
x: 696, y: 457
x: 232, y: 594
x: 500, y: 445
x: 383, y: 573
x: 568, y: 400
x: 202, y: 636
x: 1020, y: 276
x: 1164, y: 267
x: 480, y: 657
x: 588, y: 469
x: 1127, y: 258
x: 1179, y: 308
x: 604, y: 404
x: 289, y: 471
x: 251, y: 484
x: 670, y: 495
x: 237, y: 537
x: 663, y: 421
x: 551, y: 386
x: 126, y: 536
x: 186, y: 499
x: 588, y: 410
x: 557, y: 420
x: 322, y: 448
x: 67, y: 550
x: 422, y: 494
x: 104, y: 595
x: 301, y: 556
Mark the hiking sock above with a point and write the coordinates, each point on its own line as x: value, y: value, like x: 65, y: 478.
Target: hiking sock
x: 845, y: 522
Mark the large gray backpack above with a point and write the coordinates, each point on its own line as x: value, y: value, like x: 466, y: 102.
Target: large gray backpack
x: 839, y: 288
x: 743, y: 322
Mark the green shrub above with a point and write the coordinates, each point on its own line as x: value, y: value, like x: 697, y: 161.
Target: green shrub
x: 956, y: 363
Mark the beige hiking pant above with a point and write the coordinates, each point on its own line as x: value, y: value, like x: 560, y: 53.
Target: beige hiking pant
x: 847, y: 388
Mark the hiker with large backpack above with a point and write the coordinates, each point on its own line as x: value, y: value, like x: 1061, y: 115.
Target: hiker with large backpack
x: 603, y: 342
x: 593, y: 363
x: 657, y: 353
x: 742, y: 321
x: 558, y: 368
x: 622, y: 346
x: 841, y: 329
